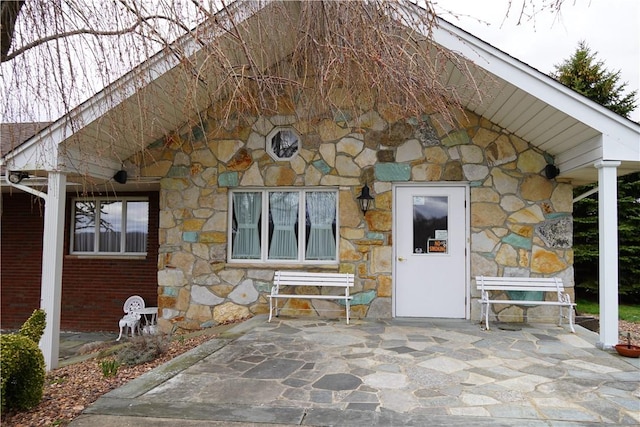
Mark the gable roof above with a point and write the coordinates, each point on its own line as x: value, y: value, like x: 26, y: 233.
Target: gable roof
x: 127, y: 116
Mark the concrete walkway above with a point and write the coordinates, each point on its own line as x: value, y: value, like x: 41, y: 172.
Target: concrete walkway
x: 382, y: 373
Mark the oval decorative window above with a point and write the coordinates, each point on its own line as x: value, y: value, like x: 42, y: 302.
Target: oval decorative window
x: 283, y: 143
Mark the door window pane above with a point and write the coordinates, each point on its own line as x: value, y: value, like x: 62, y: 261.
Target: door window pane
x: 430, y: 224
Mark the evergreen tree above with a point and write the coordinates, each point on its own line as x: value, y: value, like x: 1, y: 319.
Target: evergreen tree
x: 588, y: 76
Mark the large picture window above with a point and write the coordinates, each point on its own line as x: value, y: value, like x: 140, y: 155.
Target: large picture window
x: 110, y: 226
x: 283, y: 225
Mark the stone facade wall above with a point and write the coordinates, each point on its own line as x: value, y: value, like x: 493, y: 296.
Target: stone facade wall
x: 520, y: 221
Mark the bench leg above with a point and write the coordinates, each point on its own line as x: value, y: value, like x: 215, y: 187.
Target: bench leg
x: 569, y: 316
x: 348, y: 305
x: 273, y: 308
x: 487, y: 309
x: 561, y: 315
x: 570, y: 308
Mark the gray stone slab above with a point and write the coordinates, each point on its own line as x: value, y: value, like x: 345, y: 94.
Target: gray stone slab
x: 169, y: 370
x: 362, y: 406
x: 402, y: 349
x: 190, y: 411
x: 572, y: 386
x: 274, y: 369
x: 209, y: 388
x: 286, y: 329
x: 521, y: 411
x: 347, y: 418
x: 569, y: 414
x: 338, y: 382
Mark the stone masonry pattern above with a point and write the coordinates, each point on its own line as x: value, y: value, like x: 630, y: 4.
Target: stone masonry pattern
x: 521, y: 222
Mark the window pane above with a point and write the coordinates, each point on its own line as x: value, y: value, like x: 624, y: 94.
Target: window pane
x: 110, y: 226
x: 283, y: 225
x: 84, y: 227
x: 321, y: 225
x: 284, y: 144
x: 137, y: 226
x: 430, y: 224
x: 247, y: 209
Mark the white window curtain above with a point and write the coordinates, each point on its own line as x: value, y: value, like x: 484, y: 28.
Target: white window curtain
x: 321, y: 208
x: 110, y: 226
x: 84, y: 228
x: 137, y: 226
x: 284, y: 214
x: 247, y: 208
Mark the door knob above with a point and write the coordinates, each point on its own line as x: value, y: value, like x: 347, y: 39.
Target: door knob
x: 401, y: 258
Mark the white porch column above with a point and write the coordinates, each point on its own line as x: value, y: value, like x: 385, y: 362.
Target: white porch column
x: 608, y: 247
x: 52, y: 248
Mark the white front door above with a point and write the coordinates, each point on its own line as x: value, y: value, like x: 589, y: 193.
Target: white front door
x: 430, y: 252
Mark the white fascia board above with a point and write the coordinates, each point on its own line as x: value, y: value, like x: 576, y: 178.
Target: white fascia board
x: 47, y: 156
x: 40, y: 156
x: 624, y: 146
x: 533, y: 82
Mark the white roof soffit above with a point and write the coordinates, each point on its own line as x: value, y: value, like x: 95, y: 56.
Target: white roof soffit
x: 139, y: 108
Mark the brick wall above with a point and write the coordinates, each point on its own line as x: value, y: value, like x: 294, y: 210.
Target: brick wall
x: 93, y: 290
x: 21, y: 227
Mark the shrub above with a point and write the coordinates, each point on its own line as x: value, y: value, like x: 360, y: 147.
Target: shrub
x: 142, y: 349
x: 23, y: 369
x: 33, y: 328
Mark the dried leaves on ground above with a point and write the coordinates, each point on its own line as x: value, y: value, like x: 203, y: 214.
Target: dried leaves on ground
x: 69, y: 390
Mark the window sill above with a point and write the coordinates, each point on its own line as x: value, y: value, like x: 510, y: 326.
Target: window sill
x: 105, y: 256
x: 283, y: 266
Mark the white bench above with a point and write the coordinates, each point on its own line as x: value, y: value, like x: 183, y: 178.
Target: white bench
x: 295, y: 279
x: 530, y: 284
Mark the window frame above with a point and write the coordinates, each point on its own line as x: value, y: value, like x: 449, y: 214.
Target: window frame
x: 302, y: 238
x: 96, y: 253
x: 269, y: 143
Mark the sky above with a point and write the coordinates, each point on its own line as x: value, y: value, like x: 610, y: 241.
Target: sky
x: 611, y: 29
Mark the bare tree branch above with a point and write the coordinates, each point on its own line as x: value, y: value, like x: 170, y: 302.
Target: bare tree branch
x: 84, y: 31
x: 337, y: 53
x: 9, y: 11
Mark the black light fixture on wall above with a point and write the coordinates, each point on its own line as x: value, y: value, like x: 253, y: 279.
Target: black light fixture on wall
x: 16, y: 176
x: 365, y: 199
x: 551, y: 171
x: 120, y: 177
